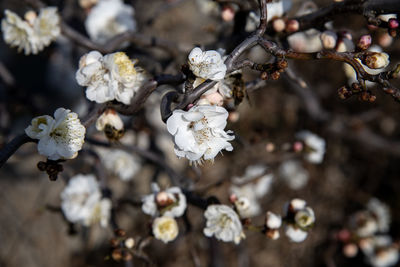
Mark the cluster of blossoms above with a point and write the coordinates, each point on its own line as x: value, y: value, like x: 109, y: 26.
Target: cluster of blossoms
x: 165, y: 206
x: 82, y: 202
x: 60, y: 137
x: 299, y: 220
x: 109, y: 18
x: 224, y: 223
x: 32, y: 34
x: 367, y: 232
x: 199, y: 132
x: 109, y: 77
x: 249, y: 188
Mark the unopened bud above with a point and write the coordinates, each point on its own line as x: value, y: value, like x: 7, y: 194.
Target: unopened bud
x: 162, y: 198
x: 264, y: 75
x: 392, y: 32
x: 114, y: 242
x: 344, y: 235
x: 275, y: 75
x: 282, y: 64
x: 127, y: 256
x: 272, y: 221
x: 228, y: 13
x: 120, y: 232
x: 116, y: 254
x: 393, y: 23
x: 350, y: 250
x: 365, y: 42
x: 344, y: 92
x: 377, y: 60
x: 233, y: 198
x: 292, y: 25
x: 279, y: 25
x: 328, y: 39
x: 272, y: 234
x: 298, y: 146
x: 270, y: 147
x: 42, y: 166
x: 129, y: 242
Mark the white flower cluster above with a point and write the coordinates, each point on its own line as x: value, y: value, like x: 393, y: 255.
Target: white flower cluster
x: 223, y: 223
x: 249, y: 188
x: 32, y: 34
x: 314, y: 146
x: 367, y: 232
x: 109, y: 18
x: 165, y: 205
x: 60, y: 137
x: 82, y: 202
x: 109, y: 77
x: 300, y: 219
x: 199, y: 133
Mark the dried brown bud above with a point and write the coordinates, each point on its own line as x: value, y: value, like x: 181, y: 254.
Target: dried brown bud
x: 53, y: 177
x: 275, y: 75
x: 116, y: 254
x: 344, y: 92
x: 264, y: 75
x: 365, y: 96
x: 282, y: 64
x: 114, y: 242
x: 389, y: 90
x: 355, y: 87
x: 42, y: 166
x: 392, y: 32
x: 372, y: 98
x: 120, y: 232
x: 127, y: 256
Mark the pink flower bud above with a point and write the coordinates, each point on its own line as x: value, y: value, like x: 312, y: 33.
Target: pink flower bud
x: 344, y: 235
x: 393, y: 23
x: 233, y: 198
x: 292, y: 25
x: 350, y: 250
x: 297, y: 146
x: 279, y: 25
x: 365, y: 42
x: 227, y: 13
x: 162, y: 198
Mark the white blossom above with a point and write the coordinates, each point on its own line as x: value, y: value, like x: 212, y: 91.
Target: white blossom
x: 308, y: 41
x: 32, y: 34
x: 273, y: 221
x: 59, y: 138
x: 82, y: 203
x: 109, y: 18
x: 110, y: 77
x: 305, y: 217
x: 244, y: 207
x: 314, y: 143
x: 121, y: 163
x: 294, y: 174
x: 165, y: 228
x: 295, y: 234
x: 199, y: 133
x: 381, y: 212
x: 223, y: 223
x: 207, y: 64
x: 109, y: 117
x: 380, y: 251
x: 171, y: 202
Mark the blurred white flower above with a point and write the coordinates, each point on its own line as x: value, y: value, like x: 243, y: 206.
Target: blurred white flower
x: 207, y: 64
x: 294, y: 174
x: 109, y: 18
x: 110, y: 77
x: 275, y: 9
x: 252, y: 186
x: 59, y: 138
x: 380, y: 251
x: 301, y: 219
x: 121, y: 163
x: 244, y: 207
x: 223, y: 223
x: 315, y: 146
x: 273, y: 221
x: 377, y: 60
x: 307, y: 42
x: 165, y: 229
x: 171, y: 202
x: 82, y: 203
x: 381, y: 212
x: 295, y: 234
x: 109, y: 117
x: 32, y: 34
x: 199, y: 133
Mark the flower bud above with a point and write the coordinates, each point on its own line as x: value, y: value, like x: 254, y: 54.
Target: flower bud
x: 393, y: 23
x: 30, y: 17
x: 279, y: 25
x: 365, y: 42
x: 292, y: 25
x: 120, y: 232
x: 328, y: 39
x: 116, y: 254
x: 273, y: 221
x: 376, y: 60
x: 275, y: 75
x: 162, y: 199
x: 272, y: 234
x: 228, y: 13
x: 129, y: 242
x: 114, y: 242
x: 350, y: 250
x: 298, y: 146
